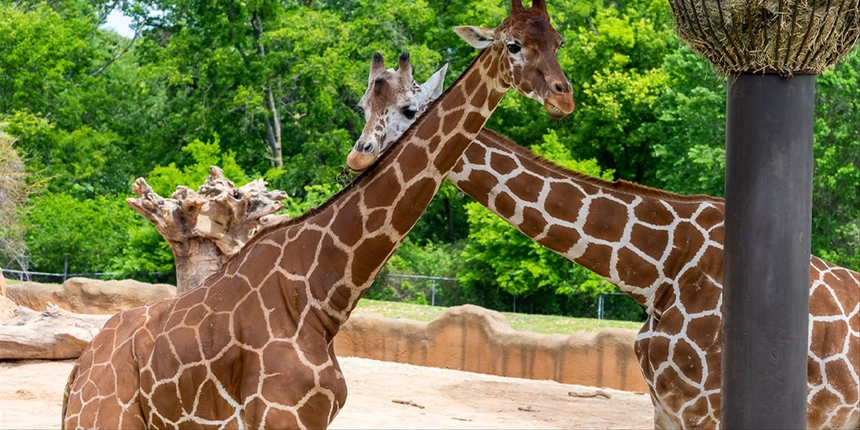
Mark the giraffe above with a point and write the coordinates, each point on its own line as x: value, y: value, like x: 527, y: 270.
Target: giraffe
x: 252, y: 346
x: 665, y: 251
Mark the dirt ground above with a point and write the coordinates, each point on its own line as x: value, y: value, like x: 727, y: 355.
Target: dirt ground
x: 31, y: 393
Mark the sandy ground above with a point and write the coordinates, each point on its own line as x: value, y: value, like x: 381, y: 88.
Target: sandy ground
x: 31, y: 393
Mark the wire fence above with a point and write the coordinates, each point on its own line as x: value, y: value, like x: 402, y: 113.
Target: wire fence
x: 392, y: 287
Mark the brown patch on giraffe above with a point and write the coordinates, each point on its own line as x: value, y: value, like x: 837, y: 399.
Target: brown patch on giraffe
x: 669, y: 381
x: 688, y: 360
x: 479, y: 99
x: 823, y: 397
x: 167, y: 401
x: 653, y: 212
x: 188, y: 299
x: 323, y: 219
x: 845, y: 295
x: 167, y: 362
x: 822, y: 302
x: 686, y: 243
x: 147, y: 381
x: 828, y: 338
x: 316, y: 410
x: 433, y: 145
x: 212, y: 405
x: 472, y: 81
x: 348, y: 215
x: 184, y: 339
x: 605, y: 220
x: 111, y: 411
x: 709, y: 217
x: 247, y: 311
x: 105, y: 379
x: 494, y: 98
x: 671, y: 322
x: 329, y: 271
x: 560, y: 239
x: 717, y: 234
x: 813, y: 372
x: 703, y: 331
x: 413, y: 165
x: 446, y: 160
x: 341, y: 296
x: 658, y: 350
x: 698, y: 293
x: 195, y: 315
x: 408, y: 210
x: 452, y: 120
x: 839, y: 376
x: 281, y: 419
x: 375, y: 220
x: 652, y: 242
x: 387, y: 182
x: 533, y: 222
x: 188, y: 384
x: 474, y: 122
x: 563, y: 201
x: 505, y: 205
x: 476, y: 154
x: 526, y: 186
x: 599, y: 257
x: 428, y: 127
x: 686, y: 209
x: 374, y: 252
x: 477, y: 185
x: 696, y: 415
x: 284, y: 381
x: 502, y: 164
x: 214, y: 335
x: 634, y: 270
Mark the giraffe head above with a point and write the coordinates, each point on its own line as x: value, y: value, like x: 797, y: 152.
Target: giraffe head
x: 391, y: 103
x: 526, y: 45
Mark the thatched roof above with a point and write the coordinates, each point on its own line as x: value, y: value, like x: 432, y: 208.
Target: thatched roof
x: 770, y: 36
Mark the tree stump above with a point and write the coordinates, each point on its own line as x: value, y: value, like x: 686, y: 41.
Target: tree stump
x: 206, y: 227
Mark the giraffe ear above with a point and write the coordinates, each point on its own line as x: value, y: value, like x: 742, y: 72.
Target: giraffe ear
x: 433, y: 86
x: 478, y: 37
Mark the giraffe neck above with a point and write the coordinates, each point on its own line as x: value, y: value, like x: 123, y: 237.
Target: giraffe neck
x: 641, y: 239
x: 346, y: 242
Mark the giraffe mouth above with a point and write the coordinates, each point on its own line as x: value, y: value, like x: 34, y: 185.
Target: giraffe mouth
x: 554, y: 111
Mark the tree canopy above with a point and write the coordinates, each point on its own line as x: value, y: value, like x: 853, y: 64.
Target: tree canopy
x: 268, y: 88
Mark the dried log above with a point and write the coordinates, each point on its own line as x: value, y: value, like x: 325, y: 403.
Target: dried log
x: 206, y: 227
x: 52, y: 334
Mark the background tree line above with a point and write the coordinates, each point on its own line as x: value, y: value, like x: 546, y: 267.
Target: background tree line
x: 268, y: 88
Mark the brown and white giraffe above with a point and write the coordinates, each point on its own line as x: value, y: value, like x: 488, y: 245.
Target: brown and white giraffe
x: 252, y: 346
x: 665, y: 250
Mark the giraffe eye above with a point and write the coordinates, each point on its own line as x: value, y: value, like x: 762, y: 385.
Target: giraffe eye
x: 408, y: 112
x: 514, y: 47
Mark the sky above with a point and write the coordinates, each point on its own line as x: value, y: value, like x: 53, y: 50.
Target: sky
x: 119, y: 23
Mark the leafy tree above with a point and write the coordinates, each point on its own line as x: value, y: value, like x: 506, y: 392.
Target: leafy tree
x: 165, y: 179
x: 13, y: 196
x: 89, y: 233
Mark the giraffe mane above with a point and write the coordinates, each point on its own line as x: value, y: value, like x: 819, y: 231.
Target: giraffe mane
x: 368, y: 174
x: 619, y: 185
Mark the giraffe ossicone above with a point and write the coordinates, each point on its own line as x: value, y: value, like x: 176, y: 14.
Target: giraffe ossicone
x: 665, y: 251
x: 253, y: 345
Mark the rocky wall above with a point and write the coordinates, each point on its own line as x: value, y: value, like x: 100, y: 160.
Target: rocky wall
x: 475, y: 339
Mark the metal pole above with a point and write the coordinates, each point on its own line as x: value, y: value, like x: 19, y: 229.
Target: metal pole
x: 600, y: 306
x: 65, y: 269
x: 433, y: 292
x: 769, y: 130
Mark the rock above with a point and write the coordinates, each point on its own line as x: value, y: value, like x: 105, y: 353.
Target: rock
x: 89, y: 296
x: 52, y: 334
x: 7, y: 308
x: 2, y: 284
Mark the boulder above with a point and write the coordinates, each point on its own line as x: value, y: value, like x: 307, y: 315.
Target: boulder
x: 2, y: 284
x: 51, y: 334
x: 7, y: 308
x: 89, y: 296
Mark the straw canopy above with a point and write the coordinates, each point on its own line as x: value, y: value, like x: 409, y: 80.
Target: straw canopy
x: 769, y: 36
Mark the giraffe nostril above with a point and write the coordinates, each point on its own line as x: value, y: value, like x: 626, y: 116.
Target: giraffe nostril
x: 367, y: 148
x: 558, y: 87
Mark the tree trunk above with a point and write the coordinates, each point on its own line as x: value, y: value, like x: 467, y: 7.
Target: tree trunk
x: 206, y: 227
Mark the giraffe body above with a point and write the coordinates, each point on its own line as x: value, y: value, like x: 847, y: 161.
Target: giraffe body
x: 252, y: 346
x: 665, y: 251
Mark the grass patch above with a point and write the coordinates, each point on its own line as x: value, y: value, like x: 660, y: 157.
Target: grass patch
x: 546, y: 324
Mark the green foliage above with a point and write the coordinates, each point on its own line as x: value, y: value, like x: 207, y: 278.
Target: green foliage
x: 165, y: 179
x: 90, y: 233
